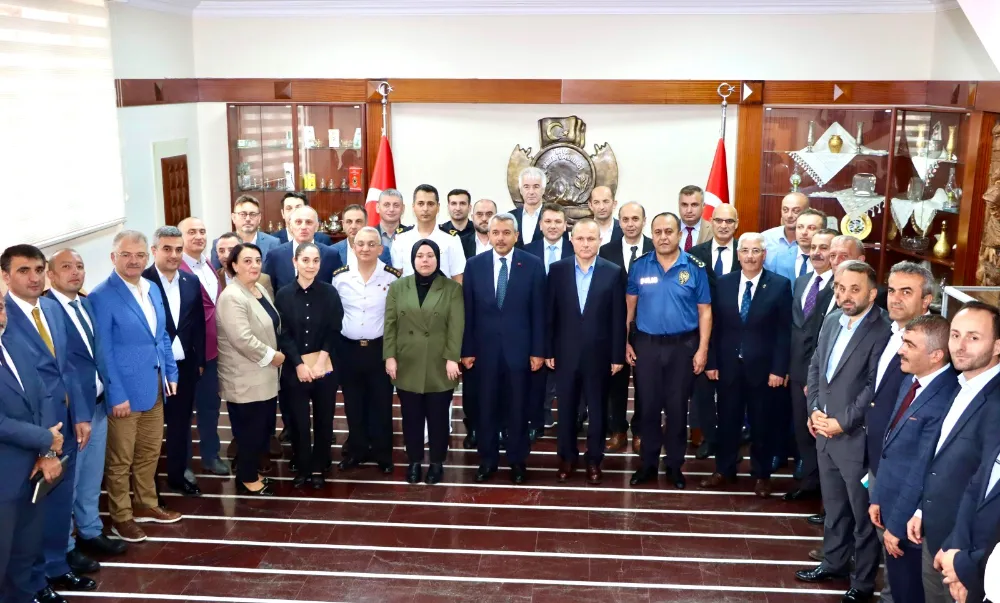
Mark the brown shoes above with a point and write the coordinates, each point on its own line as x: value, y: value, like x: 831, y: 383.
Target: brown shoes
x: 816, y: 555
x: 593, y: 475
x: 128, y: 531
x: 716, y: 480
x: 616, y: 443
x: 762, y: 488
x: 155, y: 515
x: 565, y: 471
x: 636, y: 444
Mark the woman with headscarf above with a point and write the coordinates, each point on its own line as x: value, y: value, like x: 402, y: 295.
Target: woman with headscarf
x: 424, y: 323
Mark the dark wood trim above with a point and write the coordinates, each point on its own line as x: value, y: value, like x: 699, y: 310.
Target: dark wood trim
x: 975, y: 181
x: 987, y: 96
x: 850, y: 93
x: 136, y: 93
x: 749, y: 141
x: 475, y: 91
x: 645, y: 92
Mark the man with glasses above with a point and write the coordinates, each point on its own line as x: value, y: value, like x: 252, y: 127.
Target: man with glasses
x: 246, y: 218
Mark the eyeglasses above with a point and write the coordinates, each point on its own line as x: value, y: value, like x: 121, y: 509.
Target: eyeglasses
x: 142, y: 257
x: 755, y: 251
x: 248, y: 214
x: 726, y: 221
x: 369, y: 244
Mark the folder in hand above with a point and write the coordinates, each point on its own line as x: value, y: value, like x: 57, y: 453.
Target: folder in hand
x: 41, y: 488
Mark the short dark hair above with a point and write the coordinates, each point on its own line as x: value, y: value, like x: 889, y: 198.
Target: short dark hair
x: 305, y: 247
x: 355, y: 207
x: 935, y: 328
x: 459, y: 191
x: 427, y: 188
x: 691, y: 189
x: 20, y: 251
x: 234, y: 256
x: 559, y: 209
x: 227, y: 235
x: 826, y: 231
x: 993, y: 311
x: 811, y: 211
x: 666, y: 214
x: 295, y: 194
x: 860, y: 267
x: 248, y: 199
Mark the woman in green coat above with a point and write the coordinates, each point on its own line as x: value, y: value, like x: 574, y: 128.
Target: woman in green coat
x: 422, y: 341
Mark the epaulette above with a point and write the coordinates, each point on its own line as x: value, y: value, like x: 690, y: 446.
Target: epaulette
x: 393, y: 271
x: 342, y: 269
x: 453, y: 232
x: 697, y: 262
x: 402, y: 229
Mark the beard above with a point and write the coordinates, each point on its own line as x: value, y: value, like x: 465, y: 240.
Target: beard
x: 962, y: 364
x: 857, y: 310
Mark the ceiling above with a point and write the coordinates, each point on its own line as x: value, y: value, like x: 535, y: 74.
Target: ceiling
x: 276, y: 8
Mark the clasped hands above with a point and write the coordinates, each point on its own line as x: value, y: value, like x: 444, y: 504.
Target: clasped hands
x: 820, y: 423
x: 50, y: 467
x: 944, y: 562
x: 309, y: 373
x: 450, y: 366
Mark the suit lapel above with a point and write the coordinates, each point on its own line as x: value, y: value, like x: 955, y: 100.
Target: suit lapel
x: 973, y: 407
x: 130, y: 301
x: 8, y: 379
x: 859, y: 333
x: 893, y: 366
x: 758, y: 296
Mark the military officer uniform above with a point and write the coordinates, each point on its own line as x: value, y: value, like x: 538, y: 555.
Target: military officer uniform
x: 388, y: 238
x: 449, y: 228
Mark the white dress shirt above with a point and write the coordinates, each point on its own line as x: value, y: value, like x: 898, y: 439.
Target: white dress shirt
x: 727, y: 256
x: 743, y: 287
x: 823, y: 280
x: 364, y: 301
x: 141, y: 294
x: 65, y: 301
x: 695, y: 233
x: 172, y: 289
x: 206, y: 274
x: 480, y: 246
x: 969, y: 389
x: 627, y: 251
x: 891, y: 350
x: 28, y: 308
x: 529, y: 222
x: 452, y: 254
x: 799, y: 260
x: 606, y: 232
x: 927, y: 379
x: 992, y: 584
x: 10, y: 362
x: 496, y: 266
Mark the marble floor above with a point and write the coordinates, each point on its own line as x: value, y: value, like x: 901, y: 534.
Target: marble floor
x: 366, y: 537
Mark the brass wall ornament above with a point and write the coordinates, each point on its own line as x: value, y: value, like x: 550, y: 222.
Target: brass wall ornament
x: 570, y: 172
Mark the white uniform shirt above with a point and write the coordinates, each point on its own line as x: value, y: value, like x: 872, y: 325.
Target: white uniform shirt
x: 364, y: 302
x: 452, y: 254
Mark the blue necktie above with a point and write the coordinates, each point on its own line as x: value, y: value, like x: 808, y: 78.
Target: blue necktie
x: 745, y: 306
x: 718, y: 262
x: 551, y: 257
x: 502, y: 283
x: 75, y: 304
x: 805, y: 264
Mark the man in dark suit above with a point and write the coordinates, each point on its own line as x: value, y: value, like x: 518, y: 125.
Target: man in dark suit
x: 964, y: 554
x: 246, y: 217
x: 278, y: 263
x: 720, y: 258
x: 478, y: 240
x: 354, y: 218
x: 922, y: 399
x: 970, y: 427
x: 504, y: 337
x: 846, y: 358
x: 602, y: 204
x: 37, y: 321
x: 182, y: 300
x: 531, y: 184
x: 748, y: 359
x: 585, y: 327
x: 291, y: 202
x: 30, y: 441
x: 632, y: 245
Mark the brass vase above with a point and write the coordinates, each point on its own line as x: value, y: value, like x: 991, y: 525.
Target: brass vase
x: 949, y: 147
x: 942, y: 248
x: 835, y: 143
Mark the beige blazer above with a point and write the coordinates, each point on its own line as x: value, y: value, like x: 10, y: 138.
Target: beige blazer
x: 705, y: 232
x: 246, y: 333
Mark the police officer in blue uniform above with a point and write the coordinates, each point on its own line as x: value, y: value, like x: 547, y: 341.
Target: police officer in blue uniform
x: 670, y: 323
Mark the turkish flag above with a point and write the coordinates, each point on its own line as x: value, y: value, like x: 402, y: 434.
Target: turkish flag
x: 717, y: 189
x: 383, y: 177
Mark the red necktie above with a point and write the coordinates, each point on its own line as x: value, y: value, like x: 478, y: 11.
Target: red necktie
x: 910, y: 395
x: 688, y: 242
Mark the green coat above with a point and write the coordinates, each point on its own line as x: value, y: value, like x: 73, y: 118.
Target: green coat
x: 423, y: 338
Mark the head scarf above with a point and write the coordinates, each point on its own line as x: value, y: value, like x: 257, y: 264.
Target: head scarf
x: 424, y: 282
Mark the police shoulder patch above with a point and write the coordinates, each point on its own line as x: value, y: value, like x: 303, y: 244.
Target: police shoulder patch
x: 401, y: 229
x: 393, y: 271
x: 341, y: 270
x: 697, y: 262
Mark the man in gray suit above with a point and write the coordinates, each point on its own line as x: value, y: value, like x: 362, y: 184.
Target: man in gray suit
x: 845, y: 362
x: 246, y: 216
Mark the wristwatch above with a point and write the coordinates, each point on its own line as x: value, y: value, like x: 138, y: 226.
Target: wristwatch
x: 51, y: 454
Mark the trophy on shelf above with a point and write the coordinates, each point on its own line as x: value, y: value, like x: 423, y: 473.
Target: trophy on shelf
x: 796, y: 179
x: 953, y: 193
x: 334, y: 135
x: 949, y: 147
x: 936, y: 143
x: 835, y: 143
x: 810, y: 137
x: 333, y: 223
x: 942, y: 248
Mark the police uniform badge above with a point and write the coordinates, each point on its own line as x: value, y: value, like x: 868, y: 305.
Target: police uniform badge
x: 683, y: 277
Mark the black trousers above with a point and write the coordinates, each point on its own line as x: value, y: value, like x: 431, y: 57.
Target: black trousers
x: 367, y: 400
x: 249, y: 421
x: 618, y: 403
x: 177, y: 415
x: 582, y: 386
x: 543, y: 393
x: 739, y: 398
x: 704, y: 414
x: 323, y: 394
x: 503, y: 399
x: 664, y: 378
x: 21, y: 526
x: 905, y: 574
x: 470, y: 398
x: 803, y: 439
x: 430, y: 409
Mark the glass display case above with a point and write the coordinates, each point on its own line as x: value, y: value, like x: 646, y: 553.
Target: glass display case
x: 262, y: 157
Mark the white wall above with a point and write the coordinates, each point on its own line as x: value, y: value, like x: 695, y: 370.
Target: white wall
x: 958, y: 51
x: 213, y: 138
x: 150, y: 44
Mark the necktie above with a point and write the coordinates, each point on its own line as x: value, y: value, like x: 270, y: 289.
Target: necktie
x: 75, y: 304
x: 502, y: 283
x: 810, y: 304
x: 745, y: 305
x: 631, y: 258
x: 718, y: 262
x: 910, y: 395
x: 805, y: 264
x: 689, y: 240
x: 550, y: 258
x: 36, y: 314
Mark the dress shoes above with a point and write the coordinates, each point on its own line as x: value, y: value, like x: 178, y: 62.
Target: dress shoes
x: 579, y: 426
x: 594, y: 475
x: 155, y: 515
x: 642, y: 476
x: 129, y: 531
x: 47, y: 595
x: 818, y: 519
x: 677, y: 478
x: 386, y: 468
x: 80, y: 563
x: 818, y: 574
x: 484, y: 473
x: 299, y: 481
x: 535, y: 433
x: 242, y: 489
x: 215, y: 466
x: 414, y: 473
x: 797, y: 474
x: 565, y: 471
x: 717, y: 480
x: 817, y: 555
x: 811, y: 494
x: 636, y: 444
x: 856, y: 596
x: 616, y: 443
x: 763, y: 488
x: 102, y: 545
x: 185, y: 487
x: 317, y: 481
x: 434, y: 474
x: 518, y: 473
x: 470, y: 442
x: 71, y: 581
x: 704, y: 450
x: 502, y: 441
x: 349, y: 462
x: 778, y: 462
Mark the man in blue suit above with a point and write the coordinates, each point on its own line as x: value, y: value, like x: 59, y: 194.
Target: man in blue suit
x: 963, y: 555
x: 585, y: 327
x: 278, y: 263
x: 921, y: 402
x: 748, y: 358
x: 354, y: 218
x: 504, y: 338
x: 971, y: 426
x: 531, y: 184
x: 67, y: 273
x: 289, y: 204
x: 142, y: 374
x: 31, y: 439
x: 793, y: 262
x: 38, y: 321
x: 602, y: 204
x: 246, y: 217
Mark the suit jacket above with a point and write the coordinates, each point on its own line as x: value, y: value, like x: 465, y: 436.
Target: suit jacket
x: 137, y: 359
x: 56, y: 371
x: 844, y: 397
x: 422, y: 337
x: 908, y: 448
x: 975, y: 532
x: 191, y: 324
x: 211, y: 348
x: 594, y: 339
x: 265, y: 241
x: 616, y: 255
x: 537, y: 248
x: 784, y: 263
x: 881, y: 410
x: 26, y: 414
x: 246, y: 332
x: 86, y: 366
x: 468, y: 244
x: 616, y: 233
x: 765, y: 336
x: 515, y: 332
x: 319, y: 238
x: 705, y: 253
x: 518, y: 214
x: 977, y: 430
x: 278, y: 265
x: 341, y: 248
x: 705, y: 233
x: 805, y: 331
x: 264, y: 281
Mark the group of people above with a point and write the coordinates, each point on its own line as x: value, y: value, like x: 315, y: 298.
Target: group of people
x: 782, y: 336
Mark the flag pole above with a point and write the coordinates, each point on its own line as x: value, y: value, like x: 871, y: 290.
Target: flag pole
x: 724, y: 86
x: 384, y: 89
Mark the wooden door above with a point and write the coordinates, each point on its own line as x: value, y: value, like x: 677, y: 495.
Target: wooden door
x: 176, y: 194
